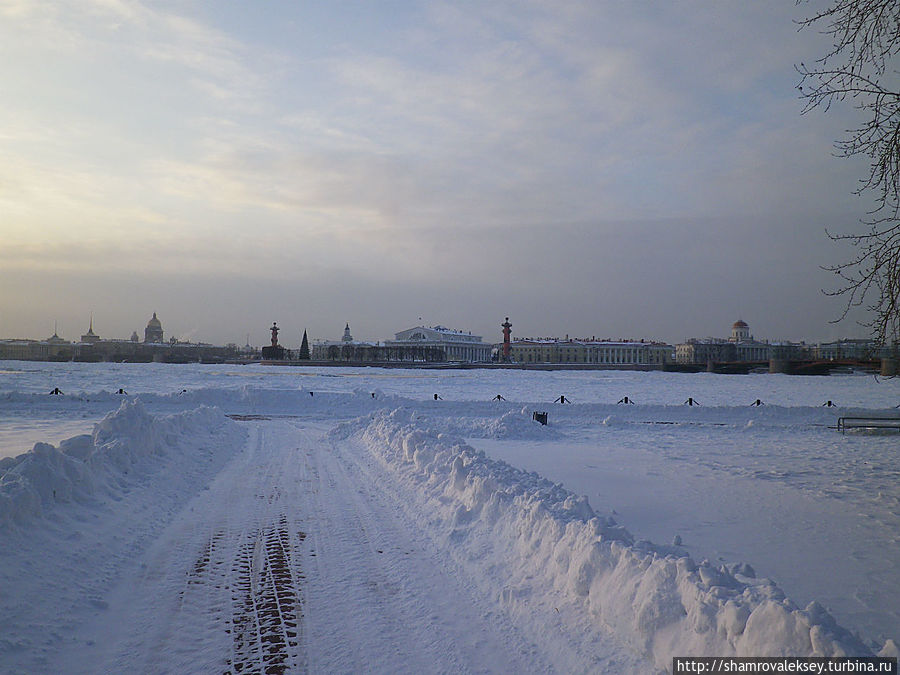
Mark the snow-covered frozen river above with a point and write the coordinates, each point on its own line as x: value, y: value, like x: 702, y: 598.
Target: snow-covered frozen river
x: 23, y: 422
x: 773, y: 486
x: 603, y: 386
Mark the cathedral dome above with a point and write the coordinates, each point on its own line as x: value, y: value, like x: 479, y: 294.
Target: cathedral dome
x: 153, y: 332
x: 740, y: 331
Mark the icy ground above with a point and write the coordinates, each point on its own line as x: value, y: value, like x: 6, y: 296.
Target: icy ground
x: 344, y: 520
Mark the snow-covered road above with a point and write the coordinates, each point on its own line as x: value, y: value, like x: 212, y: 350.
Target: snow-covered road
x: 379, y: 593
x: 301, y: 554
x: 384, y: 596
x: 222, y: 586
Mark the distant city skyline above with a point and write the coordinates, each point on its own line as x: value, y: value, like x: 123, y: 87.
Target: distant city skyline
x: 286, y: 338
x: 598, y: 168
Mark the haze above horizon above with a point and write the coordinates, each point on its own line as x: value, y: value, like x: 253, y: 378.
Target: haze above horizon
x: 592, y: 168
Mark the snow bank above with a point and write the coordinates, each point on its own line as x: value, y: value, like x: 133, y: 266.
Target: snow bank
x: 655, y: 598
x: 127, y: 447
x: 74, y: 517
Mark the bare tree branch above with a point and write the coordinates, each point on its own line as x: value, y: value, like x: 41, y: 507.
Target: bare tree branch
x: 861, y: 68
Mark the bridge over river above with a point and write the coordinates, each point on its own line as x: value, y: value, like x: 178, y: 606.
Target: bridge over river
x: 804, y: 367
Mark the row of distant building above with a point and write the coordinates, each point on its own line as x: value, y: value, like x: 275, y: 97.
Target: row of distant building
x: 92, y: 347
x: 439, y: 344
x: 444, y: 344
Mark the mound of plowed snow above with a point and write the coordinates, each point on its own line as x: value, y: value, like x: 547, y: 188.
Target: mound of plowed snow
x: 526, y: 532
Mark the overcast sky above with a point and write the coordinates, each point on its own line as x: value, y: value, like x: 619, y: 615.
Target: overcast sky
x: 598, y: 168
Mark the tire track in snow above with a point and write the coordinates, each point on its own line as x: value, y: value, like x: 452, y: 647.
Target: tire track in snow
x: 221, y: 589
x: 267, y: 620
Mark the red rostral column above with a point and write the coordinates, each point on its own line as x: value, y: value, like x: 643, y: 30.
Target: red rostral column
x: 507, y: 331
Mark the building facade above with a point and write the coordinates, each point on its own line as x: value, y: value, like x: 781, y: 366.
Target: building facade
x: 420, y: 344
x: 701, y: 351
x: 599, y: 352
x: 346, y: 349
x: 456, y: 346
x: 740, y: 347
x: 857, y: 350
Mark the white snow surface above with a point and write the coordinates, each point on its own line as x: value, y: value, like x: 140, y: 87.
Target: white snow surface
x: 346, y: 521
x: 547, y: 541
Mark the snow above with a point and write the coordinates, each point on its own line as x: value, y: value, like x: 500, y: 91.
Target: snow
x: 73, y: 517
x: 654, y: 598
x: 345, y: 520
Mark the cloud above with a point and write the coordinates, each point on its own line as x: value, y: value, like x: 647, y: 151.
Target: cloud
x: 585, y: 158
